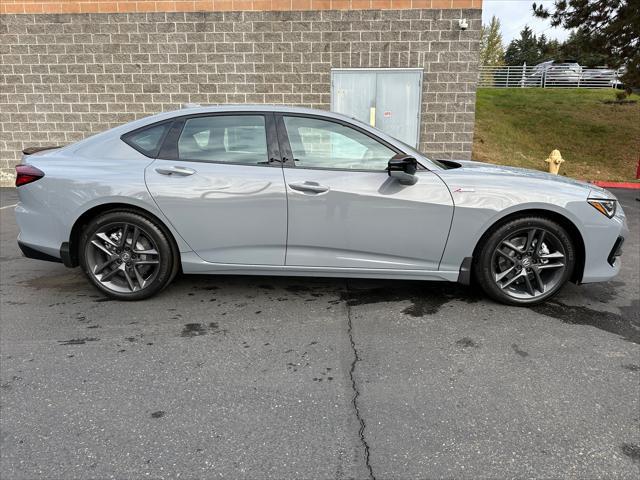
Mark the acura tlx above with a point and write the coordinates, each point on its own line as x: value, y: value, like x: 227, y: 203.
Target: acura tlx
x: 267, y: 190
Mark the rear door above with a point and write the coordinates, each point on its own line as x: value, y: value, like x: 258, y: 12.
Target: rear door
x: 344, y: 209
x: 218, y: 179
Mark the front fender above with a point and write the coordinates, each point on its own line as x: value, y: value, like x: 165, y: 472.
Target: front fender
x: 481, y: 200
x: 470, y: 224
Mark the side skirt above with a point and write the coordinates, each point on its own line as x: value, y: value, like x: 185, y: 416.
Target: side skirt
x: 191, y: 263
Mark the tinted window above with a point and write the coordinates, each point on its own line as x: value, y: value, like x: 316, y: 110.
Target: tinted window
x: 147, y: 141
x: 323, y: 144
x: 224, y: 138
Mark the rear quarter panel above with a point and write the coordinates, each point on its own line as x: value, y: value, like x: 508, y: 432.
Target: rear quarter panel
x: 98, y: 171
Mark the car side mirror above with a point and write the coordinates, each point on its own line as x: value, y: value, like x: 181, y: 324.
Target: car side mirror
x: 403, y: 167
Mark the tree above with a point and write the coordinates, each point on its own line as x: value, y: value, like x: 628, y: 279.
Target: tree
x: 491, y: 49
x: 524, y: 49
x: 609, y: 27
x: 551, y: 50
x: 578, y: 48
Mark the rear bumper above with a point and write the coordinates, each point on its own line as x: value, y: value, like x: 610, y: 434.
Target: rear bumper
x: 30, y: 252
x: 36, y: 254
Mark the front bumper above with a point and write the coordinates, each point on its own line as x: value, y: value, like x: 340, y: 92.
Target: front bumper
x: 616, y: 251
x: 603, y: 239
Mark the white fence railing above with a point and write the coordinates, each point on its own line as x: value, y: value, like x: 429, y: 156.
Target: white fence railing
x: 553, y: 77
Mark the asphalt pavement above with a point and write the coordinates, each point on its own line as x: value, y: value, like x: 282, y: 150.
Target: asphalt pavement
x: 271, y: 377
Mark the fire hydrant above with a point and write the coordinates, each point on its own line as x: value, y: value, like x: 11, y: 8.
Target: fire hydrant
x: 554, y: 161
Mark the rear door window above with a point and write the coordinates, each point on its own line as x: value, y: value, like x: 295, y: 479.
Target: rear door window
x: 240, y: 139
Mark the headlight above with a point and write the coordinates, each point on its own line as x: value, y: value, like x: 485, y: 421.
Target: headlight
x: 604, y: 206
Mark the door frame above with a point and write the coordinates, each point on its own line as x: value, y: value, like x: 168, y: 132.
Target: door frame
x: 383, y: 70
x: 168, y: 149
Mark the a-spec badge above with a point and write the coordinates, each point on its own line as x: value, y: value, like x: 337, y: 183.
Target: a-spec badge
x: 464, y: 189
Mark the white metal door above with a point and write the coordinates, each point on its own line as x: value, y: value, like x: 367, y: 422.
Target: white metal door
x: 386, y: 98
x: 353, y: 93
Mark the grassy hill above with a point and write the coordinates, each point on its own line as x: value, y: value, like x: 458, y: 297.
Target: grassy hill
x: 520, y: 127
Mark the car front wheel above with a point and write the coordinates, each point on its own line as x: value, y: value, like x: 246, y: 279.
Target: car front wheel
x: 525, y: 261
x: 127, y: 256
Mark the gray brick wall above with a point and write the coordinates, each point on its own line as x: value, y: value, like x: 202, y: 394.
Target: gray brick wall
x: 63, y: 77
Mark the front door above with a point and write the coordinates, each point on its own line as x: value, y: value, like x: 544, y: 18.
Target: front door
x: 221, y: 186
x: 344, y: 209
x: 388, y: 99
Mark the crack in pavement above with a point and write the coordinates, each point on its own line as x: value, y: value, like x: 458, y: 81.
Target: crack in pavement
x: 356, y: 392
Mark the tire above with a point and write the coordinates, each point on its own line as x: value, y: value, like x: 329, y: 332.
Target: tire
x: 541, y: 253
x: 121, y: 269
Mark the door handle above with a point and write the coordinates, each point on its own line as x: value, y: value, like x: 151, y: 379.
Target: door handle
x: 312, y: 187
x: 178, y: 171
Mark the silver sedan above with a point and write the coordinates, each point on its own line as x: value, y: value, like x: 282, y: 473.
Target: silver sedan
x: 265, y: 190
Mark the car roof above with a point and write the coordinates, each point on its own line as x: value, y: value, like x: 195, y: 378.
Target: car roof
x: 239, y: 107
x: 194, y: 109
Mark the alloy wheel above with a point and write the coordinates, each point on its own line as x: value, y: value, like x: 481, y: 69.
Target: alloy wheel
x: 123, y: 257
x: 528, y: 263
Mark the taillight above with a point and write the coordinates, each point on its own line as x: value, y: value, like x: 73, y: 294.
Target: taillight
x: 27, y: 174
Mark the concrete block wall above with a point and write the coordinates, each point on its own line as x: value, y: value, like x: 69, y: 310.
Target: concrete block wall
x: 64, y: 76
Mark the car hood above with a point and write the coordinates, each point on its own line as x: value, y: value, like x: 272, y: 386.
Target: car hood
x: 506, y: 171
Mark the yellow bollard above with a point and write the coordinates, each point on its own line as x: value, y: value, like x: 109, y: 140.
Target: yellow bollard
x: 554, y: 161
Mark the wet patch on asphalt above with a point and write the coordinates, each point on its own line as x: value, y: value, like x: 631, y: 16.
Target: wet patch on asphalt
x: 198, y: 329
x: 9, y: 384
x: 632, y: 451
x: 193, y: 330
x: 631, y: 367
x: 519, y: 352
x: 601, y: 292
x: 208, y: 288
x: 71, y: 281
x: 78, y: 341
x: 426, y: 298
x: 466, y: 342
x: 326, y: 375
x: 297, y: 288
x: 626, y: 324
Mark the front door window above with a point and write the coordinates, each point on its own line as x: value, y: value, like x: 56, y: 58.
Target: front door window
x: 324, y: 144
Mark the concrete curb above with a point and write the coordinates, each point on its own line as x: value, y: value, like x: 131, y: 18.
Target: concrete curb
x: 603, y: 184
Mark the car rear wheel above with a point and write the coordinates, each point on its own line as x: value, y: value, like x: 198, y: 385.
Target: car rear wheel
x: 525, y: 261
x: 127, y: 256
